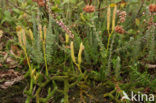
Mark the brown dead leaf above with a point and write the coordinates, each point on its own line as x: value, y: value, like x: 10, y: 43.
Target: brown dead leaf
x: 1, y: 46
x: 16, y: 51
x: 10, y: 77
x: 7, y: 84
x: 1, y: 34
x: 5, y: 56
x: 9, y: 74
x: 12, y: 63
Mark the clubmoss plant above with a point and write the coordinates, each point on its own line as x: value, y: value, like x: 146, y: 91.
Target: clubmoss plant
x: 22, y: 41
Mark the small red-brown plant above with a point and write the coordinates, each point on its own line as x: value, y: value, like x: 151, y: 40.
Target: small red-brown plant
x: 152, y: 8
x: 119, y: 29
x: 122, y: 16
x: 40, y: 2
x: 89, y: 8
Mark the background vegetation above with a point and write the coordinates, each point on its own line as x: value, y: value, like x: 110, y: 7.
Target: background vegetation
x: 77, y: 51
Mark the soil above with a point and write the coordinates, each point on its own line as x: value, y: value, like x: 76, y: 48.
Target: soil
x: 13, y: 94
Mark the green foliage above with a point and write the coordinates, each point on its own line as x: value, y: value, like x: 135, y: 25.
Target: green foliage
x: 36, y: 49
x: 117, y: 67
x: 117, y: 61
x: 139, y: 78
